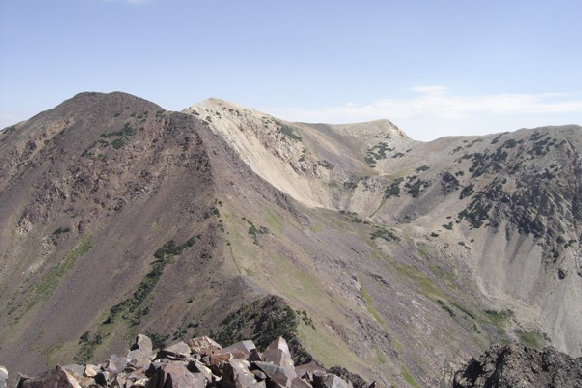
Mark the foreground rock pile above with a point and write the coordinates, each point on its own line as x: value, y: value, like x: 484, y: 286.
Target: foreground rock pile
x: 517, y: 365
x: 200, y: 363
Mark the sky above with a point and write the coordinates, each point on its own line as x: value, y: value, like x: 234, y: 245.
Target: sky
x: 434, y: 68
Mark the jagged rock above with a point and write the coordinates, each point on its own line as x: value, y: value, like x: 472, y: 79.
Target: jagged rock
x: 54, y: 378
x: 75, y: 369
x: 90, y: 370
x: 175, y: 375
x: 309, y: 368
x: 178, y: 351
x: 517, y: 365
x: 103, y: 378
x: 142, y: 348
x: 259, y: 374
x: 245, y: 350
x: 78, y: 372
x: 236, y: 366
x: 329, y: 380
x: 198, y: 366
x: 356, y: 380
x: 278, y: 353
x: 3, y: 376
x: 140, y: 382
x: 300, y: 383
x: 203, y: 346
x: 277, y: 374
x: 115, y: 364
x: 236, y: 373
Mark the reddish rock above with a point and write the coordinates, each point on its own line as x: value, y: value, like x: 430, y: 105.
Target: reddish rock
x: 203, y: 346
x: 279, y: 375
x: 278, y: 353
x: 178, y: 351
x: 54, y: 378
x: 175, y: 375
x: 300, y: 383
x: 244, y: 350
x: 310, y: 368
x: 236, y: 374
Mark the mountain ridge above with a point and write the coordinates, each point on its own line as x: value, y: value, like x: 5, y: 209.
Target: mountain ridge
x: 291, y: 209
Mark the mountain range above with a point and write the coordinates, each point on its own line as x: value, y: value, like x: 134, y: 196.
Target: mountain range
x: 401, y: 259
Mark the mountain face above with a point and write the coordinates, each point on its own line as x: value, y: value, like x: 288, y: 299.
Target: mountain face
x: 404, y: 258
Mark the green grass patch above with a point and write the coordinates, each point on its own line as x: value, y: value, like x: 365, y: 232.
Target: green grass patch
x: 380, y: 357
x: 274, y: 221
x: 368, y: 300
x: 534, y: 338
x: 53, y: 277
x: 464, y: 309
x: 254, y: 232
x: 499, y: 317
x: 423, y: 283
x: 408, y: 377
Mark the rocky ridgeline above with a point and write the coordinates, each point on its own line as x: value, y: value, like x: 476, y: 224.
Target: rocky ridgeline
x: 517, y: 365
x: 200, y: 363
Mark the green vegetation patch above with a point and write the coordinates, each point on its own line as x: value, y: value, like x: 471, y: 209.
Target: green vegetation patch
x: 132, y: 309
x: 408, y: 377
x: 368, y: 300
x: 54, y: 276
x: 9, y: 130
x: 353, y: 216
x: 464, y: 309
x: 534, y: 338
x: 378, y: 152
x: 384, y: 234
x: 423, y: 283
x: 288, y: 132
x: 447, y: 308
x: 499, y: 317
x: 415, y: 186
x: 262, y: 321
x: 254, y: 232
x: 325, y: 164
x: 121, y: 136
x: 61, y: 230
x: 394, y: 189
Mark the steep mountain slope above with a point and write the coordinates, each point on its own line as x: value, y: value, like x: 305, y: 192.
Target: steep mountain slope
x: 403, y: 258
x: 502, y: 209
x: 91, y: 191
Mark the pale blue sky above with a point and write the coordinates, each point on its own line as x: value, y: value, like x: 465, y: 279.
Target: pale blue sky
x: 434, y: 68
